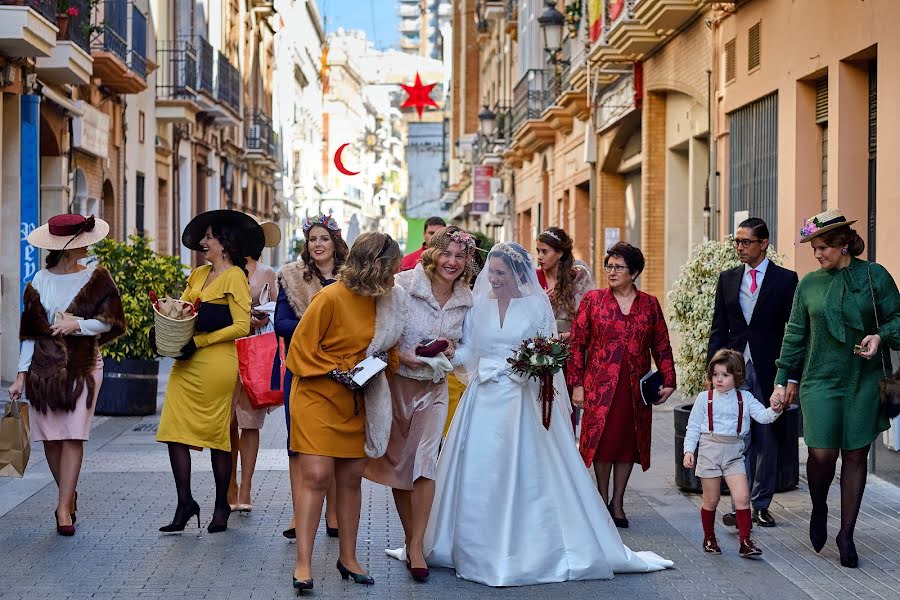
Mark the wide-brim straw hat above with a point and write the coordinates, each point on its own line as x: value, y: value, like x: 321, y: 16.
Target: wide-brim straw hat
x: 250, y: 236
x: 69, y: 231
x: 823, y: 223
x: 272, y: 233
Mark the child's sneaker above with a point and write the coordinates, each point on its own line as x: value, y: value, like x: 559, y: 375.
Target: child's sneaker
x: 749, y: 549
x: 711, y: 546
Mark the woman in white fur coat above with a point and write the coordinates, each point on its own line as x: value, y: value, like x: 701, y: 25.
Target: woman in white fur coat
x: 438, y: 299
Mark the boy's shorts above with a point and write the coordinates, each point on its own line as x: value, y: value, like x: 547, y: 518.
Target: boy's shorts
x: 720, y: 456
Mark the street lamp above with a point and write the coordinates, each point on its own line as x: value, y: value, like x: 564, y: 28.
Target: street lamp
x: 445, y: 176
x: 552, y: 23
x: 488, y: 120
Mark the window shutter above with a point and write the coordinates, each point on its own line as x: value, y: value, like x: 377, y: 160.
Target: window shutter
x: 753, y: 47
x: 730, y: 61
x: 822, y: 100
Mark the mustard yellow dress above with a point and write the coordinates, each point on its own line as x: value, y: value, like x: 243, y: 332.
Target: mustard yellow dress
x: 197, y: 408
x: 334, y: 333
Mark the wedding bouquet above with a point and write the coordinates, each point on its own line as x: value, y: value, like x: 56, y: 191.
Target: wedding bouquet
x: 541, y: 358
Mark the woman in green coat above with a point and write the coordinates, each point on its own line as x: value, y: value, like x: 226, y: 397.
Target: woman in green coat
x: 833, y: 339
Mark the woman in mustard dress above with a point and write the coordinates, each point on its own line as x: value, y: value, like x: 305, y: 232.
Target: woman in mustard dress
x: 328, y: 419
x: 197, y: 409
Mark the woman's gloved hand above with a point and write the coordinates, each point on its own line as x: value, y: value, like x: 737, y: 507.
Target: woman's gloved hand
x: 187, y: 351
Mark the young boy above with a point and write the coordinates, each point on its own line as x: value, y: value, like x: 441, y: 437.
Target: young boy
x: 719, y: 421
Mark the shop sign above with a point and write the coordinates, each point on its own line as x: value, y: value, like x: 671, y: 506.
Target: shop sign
x: 90, y: 132
x: 481, y: 188
x: 615, y: 103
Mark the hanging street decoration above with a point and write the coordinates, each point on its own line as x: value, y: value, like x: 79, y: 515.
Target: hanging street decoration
x: 419, y: 95
x: 339, y: 163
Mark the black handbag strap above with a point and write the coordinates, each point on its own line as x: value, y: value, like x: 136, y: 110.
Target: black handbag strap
x: 877, y: 322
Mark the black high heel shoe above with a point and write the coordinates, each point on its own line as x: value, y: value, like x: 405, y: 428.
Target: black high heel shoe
x: 357, y: 577
x: 847, y: 550
x: 332, y: 531
x: 218, y: 527
x: 74, y: 507
x: 182, y: 517
x: 620, y: 522
x: 290, y: 534
x: 303, y: 584
x: 818, y: 528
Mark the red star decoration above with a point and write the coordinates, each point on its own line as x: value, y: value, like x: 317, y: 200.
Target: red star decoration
x: 419, y: 95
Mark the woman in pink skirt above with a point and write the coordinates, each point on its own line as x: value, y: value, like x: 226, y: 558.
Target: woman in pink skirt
x: 69, y: 312
x: 439, y: 297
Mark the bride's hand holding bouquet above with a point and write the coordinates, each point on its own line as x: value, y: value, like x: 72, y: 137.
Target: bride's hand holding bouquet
x: 541, y: 358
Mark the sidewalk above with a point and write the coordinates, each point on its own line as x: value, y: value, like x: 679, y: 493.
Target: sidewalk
x: 126, y: 493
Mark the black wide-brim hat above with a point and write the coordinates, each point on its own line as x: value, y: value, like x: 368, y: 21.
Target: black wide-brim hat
x: 250, y: 234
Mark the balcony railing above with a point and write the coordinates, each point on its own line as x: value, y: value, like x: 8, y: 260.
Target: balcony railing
x: 228, y: 83
x: 113, y: 21
x: 512, y: 10
x: 79, y: 25
x: 46, y: 8
x: 534, y: 93
x: 138, y: 62
x: 205, y: 61
x: 178, y: 69
x: 260, y: 135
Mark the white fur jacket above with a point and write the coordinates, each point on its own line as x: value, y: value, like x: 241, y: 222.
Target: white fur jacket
x: 425, y: 317
x: 390, y: 315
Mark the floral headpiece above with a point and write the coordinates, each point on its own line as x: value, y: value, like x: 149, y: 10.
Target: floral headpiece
x: 512, y: 251
x: 822, y: 223
x: 812, y: 226
x: 464, y: 239
x: 323, y: 220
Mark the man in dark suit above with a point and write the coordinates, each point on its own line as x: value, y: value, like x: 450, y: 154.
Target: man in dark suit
x: 753, y: 305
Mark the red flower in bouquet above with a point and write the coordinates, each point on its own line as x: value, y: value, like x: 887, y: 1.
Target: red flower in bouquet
x: 541, y: 358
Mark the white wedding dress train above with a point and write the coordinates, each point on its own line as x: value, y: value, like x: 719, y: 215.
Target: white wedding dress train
x: 514, y: 503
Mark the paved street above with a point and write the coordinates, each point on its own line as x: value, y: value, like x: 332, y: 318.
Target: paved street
x: 126, y: 493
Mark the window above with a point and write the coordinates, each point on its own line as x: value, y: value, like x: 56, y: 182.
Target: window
x: 730, y: 61
x: 822, y: 122
x: 141, y: 122
x: 753, y: 168
x: 753, y: 47
x: 139, y: 205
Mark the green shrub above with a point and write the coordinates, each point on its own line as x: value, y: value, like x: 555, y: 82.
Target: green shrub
x: 690, y: 306
x: 137, y: 269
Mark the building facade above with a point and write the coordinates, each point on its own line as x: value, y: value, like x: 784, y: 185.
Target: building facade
x: 423, y: 24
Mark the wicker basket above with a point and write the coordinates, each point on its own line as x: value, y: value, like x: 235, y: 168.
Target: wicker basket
x: 172, y: 334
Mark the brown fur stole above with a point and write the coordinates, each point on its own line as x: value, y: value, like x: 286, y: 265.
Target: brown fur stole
x: 299, y: 292
x: 61, y: 366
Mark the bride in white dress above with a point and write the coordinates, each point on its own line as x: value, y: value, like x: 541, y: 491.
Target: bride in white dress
x: 514, y: 504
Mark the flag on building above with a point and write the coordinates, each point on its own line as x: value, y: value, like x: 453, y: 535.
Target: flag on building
x: 595, y: 18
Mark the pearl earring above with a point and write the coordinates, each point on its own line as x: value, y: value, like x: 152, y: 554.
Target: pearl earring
x: 843, y: 251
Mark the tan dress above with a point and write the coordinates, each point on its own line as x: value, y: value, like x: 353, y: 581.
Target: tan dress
x: 327, y: 419
x: 247, y: 416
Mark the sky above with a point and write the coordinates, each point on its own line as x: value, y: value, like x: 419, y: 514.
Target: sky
x: 377, y: 17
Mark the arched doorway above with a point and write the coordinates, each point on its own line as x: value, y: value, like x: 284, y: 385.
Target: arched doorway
x: 108, y: 210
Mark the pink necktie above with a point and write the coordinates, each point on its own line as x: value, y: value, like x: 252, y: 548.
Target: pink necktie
x: 753, y: 286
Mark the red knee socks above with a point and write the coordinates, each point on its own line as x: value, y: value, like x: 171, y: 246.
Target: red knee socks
x: 743, y: 521
x: 709, y: 522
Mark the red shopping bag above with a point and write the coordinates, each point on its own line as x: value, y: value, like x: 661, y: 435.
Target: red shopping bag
x: 261, y: 368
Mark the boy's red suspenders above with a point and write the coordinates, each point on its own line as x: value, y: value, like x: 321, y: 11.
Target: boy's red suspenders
x: 740, y: 411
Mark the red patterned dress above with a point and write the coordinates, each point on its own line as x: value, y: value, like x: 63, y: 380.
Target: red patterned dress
x: 605, y: 344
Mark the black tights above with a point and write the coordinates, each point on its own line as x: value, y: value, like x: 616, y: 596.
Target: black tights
x: 180, y: 459
x: 820, y: 473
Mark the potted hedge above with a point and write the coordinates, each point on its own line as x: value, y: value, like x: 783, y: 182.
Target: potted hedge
x: 690, y: 306
x: 130, y: 367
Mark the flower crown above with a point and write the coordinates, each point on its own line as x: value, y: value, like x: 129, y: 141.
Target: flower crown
x: 553, y: 235
x: 323, y: 220
x: 509, y: 250
x: 464, y: 239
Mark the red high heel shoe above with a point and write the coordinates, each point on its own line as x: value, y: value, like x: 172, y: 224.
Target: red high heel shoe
x: 418, y: 573
x: 66, y: 530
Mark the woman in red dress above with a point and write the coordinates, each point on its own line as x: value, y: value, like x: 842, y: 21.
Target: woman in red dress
x: 616, y: 331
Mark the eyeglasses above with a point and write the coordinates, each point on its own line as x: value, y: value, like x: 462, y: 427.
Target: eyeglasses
x: 616, y: 268
x: 745, y: 243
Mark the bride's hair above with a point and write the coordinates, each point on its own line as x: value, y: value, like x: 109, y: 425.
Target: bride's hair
x: 515, y: 257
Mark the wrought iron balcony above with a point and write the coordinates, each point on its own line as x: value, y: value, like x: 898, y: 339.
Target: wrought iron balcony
x: 260, y: 135
x: 534, y: 93
x: 79, y: 25
x: 112, y: 21
x: 228, y: 83
x: 205, y: 61
x: 177, y: 78
x: 46, y: 8
x: 138, y: 54
x: 121, y: 68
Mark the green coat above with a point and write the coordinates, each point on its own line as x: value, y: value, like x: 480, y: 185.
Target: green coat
x: 832, y: 312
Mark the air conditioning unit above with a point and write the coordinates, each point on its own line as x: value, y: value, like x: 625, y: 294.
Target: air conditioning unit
x: 499, y: 203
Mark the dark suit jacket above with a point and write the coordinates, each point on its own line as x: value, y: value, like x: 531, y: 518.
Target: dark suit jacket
x: 766, y: 328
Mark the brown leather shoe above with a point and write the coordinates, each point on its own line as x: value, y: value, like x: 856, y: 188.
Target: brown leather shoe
x: 749, y: 549
x: 711, y: 546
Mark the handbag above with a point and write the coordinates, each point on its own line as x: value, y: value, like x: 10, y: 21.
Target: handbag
x: 890, y: 383
x: 15, y: 440
x: 261, y: 369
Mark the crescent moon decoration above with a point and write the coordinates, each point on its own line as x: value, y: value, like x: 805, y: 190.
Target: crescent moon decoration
x: 339, y: 163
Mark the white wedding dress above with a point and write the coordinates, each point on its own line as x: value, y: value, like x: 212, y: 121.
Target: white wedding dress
x: 514, y: 503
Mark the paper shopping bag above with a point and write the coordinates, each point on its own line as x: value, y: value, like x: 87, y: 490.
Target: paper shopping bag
x: 15, y: 440
x: 256, y: 356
